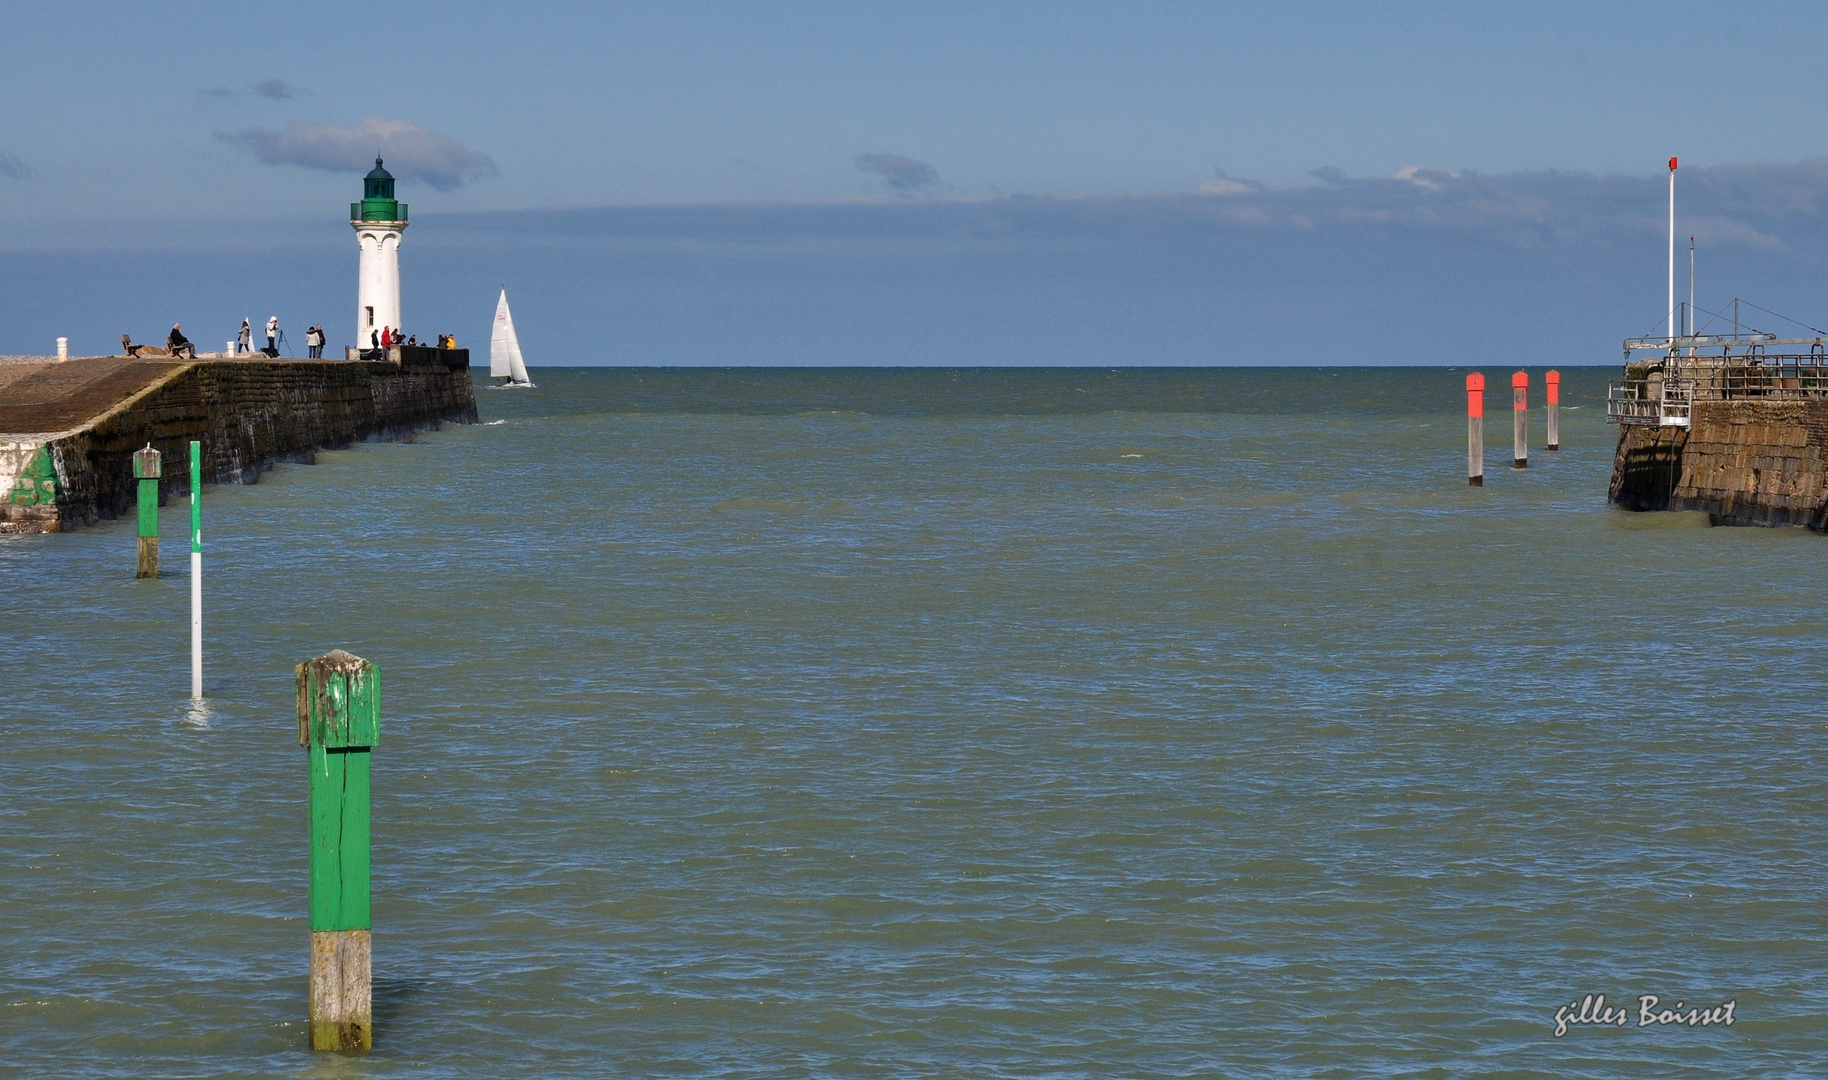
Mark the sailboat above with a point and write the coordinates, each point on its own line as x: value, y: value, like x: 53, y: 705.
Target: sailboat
x: 504, y: 350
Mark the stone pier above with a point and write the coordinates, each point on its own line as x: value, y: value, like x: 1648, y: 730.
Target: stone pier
x: 1741, y: 462
x: 68, y: 430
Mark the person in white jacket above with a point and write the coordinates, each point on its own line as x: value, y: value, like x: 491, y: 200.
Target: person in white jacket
x: 272, y: 332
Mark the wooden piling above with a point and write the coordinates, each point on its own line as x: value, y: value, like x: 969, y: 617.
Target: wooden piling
x: 1520, y: 413
x: 1475, y: 429
x: 339, y: 720
x: 1552, y: 381
x: 147, y: 469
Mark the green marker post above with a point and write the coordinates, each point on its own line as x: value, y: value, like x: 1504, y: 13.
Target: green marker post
x: 146, y: 469
x: 339, y: 720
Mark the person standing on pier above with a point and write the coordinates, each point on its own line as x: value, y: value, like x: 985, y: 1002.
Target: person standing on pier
x: 244, y: 340
x: 314, y: 342
x: 272, y: 332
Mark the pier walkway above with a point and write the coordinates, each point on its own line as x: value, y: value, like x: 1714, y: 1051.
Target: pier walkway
x: 68, y: 428
x: 39, y: 396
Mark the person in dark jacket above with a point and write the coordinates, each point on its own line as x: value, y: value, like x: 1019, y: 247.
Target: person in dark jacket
x: 179, y: 345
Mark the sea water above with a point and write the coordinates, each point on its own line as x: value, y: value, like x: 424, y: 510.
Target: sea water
x: 940, y: 723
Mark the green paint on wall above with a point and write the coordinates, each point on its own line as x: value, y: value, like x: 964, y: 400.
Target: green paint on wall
x: 37, y: 482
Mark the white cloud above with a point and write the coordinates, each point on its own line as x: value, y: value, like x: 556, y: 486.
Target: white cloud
x: 1220, y: 184
x: 411, y: 152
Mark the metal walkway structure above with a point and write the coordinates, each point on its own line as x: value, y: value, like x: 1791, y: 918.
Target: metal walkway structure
x: 1698, y: 367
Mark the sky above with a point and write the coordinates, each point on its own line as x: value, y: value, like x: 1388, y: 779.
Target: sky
x: 929, y: 184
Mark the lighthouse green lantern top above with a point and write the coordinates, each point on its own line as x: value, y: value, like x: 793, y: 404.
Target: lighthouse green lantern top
x: 378, y: 202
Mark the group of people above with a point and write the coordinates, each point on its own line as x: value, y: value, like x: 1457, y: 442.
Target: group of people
x: 384, y: 338
x: 314, y: 339
x: 387, y: 337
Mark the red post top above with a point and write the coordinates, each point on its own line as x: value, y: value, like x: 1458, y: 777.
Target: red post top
x: 1672, y: 164
x: 1475, y: 394
x: 1553, y: 381
x: 1520, y: 380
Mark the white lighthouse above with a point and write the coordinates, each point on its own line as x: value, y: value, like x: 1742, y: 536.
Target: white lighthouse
x: 379, y: 221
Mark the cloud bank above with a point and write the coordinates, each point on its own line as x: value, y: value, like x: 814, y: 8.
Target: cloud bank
x: 1750, y: 205
x: 412, y: 152
x: 905, y: 174
x: 276, y: 90
x: 12, y: 168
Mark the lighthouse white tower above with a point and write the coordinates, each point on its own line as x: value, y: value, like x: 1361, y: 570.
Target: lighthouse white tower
x: 379, y: 221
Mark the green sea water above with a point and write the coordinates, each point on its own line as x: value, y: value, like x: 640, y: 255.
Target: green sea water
x: 872, y: 723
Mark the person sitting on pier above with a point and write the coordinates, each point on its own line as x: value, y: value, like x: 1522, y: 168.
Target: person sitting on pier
x: 179, y: 345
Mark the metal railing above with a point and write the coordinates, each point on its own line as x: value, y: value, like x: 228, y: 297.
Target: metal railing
x: 1781, y: 377
x: 1649, y: 402
x: 1665, y: 398
x: 357, y: 212
x: 1678, y: 400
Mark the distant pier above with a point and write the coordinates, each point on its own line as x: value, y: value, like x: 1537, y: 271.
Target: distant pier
x: 68, y: 429
x: 1734, y: 427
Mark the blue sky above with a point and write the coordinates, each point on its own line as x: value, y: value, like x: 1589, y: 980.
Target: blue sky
x: 933, y: 183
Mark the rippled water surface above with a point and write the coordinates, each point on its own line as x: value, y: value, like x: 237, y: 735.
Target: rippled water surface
x: 879, y: 723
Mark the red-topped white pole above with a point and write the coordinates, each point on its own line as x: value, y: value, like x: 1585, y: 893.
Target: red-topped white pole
x: 1475, y: 429
x: 1552, y: 382
x: 1520, y: 404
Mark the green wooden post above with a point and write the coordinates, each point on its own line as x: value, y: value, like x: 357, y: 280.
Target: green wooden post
x: 146, y: 470
x: 339, y: 720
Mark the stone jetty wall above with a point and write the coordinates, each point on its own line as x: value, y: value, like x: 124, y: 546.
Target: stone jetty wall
x: 1741, y: 462
x: 248, y: 414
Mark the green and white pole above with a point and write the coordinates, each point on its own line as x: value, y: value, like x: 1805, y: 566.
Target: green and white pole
x: 146, y: 471
x: 196, y: 571
x: 339, y: 722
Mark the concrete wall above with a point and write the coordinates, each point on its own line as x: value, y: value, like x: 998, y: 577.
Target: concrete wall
x: 1742, y: 462
x: 247, y: 414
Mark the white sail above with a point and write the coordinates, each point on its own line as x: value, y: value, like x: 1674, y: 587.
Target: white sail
x: 516, y: 369
x: 502, y: 339
x: 504, y: 347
